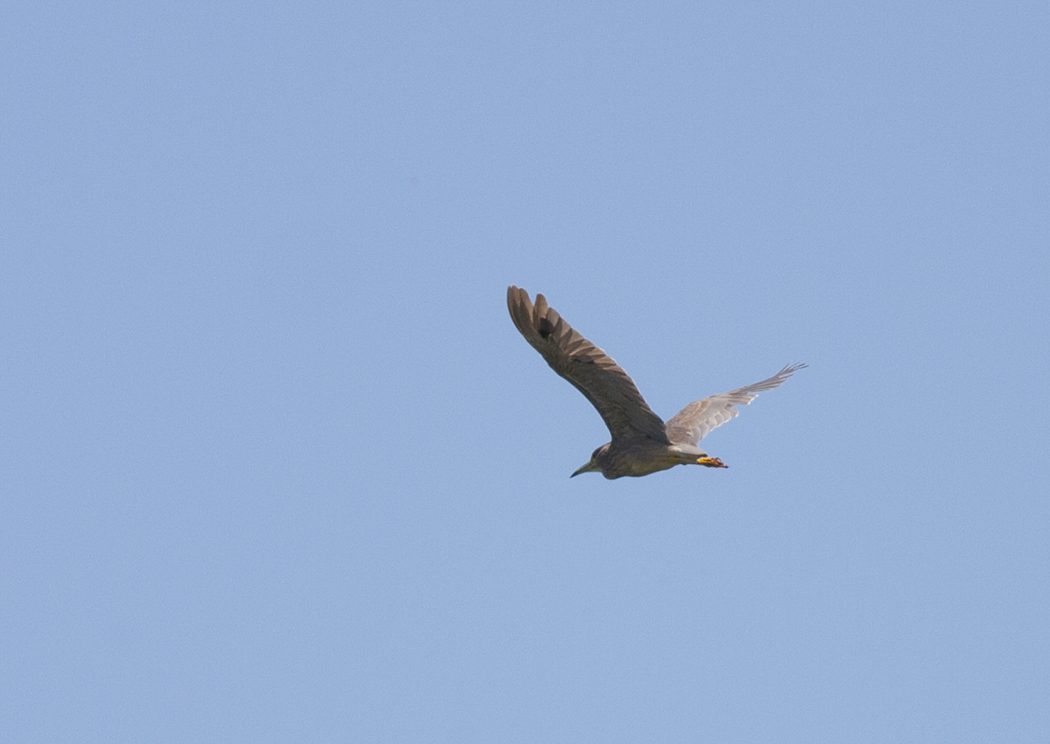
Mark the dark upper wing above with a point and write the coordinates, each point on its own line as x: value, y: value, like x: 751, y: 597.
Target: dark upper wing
x: 586, y: 366
x: 693, y: 422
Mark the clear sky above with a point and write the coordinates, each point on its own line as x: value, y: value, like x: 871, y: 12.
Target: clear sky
x: 276, y: 466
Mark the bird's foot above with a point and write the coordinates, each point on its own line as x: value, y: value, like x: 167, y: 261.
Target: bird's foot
x: 711, y: 462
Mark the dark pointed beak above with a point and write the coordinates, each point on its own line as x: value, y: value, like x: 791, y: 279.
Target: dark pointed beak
x: 590, y: 466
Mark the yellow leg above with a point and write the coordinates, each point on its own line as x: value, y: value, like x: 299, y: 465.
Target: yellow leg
x: 711, y: 462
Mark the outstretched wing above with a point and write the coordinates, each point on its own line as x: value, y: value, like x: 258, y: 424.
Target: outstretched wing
x: 693, y: 422
x: 587, y: 367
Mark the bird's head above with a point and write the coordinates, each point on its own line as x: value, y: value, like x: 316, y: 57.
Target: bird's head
x: 593, y: 464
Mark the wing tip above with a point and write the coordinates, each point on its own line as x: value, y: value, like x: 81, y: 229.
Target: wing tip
x: 514, y: 293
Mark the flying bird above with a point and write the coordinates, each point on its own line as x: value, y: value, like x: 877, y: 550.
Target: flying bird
x: 641, y: 442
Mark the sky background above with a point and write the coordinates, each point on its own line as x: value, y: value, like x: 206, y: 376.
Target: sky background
x: 276, y: 465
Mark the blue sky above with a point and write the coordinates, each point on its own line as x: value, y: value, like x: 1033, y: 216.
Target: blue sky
x: 276, y: 465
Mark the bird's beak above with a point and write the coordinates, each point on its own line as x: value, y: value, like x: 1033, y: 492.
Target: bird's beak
x: 589, y: 467
x: 711, y: 462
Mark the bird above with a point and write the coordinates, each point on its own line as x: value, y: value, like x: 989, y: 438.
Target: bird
x: 641, y: 442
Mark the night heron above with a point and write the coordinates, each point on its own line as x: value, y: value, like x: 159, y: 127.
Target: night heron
x: 641, y: 442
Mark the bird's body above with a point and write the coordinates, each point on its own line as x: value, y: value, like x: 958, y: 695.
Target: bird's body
x: 641, y: 442
x: 642, y: 456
